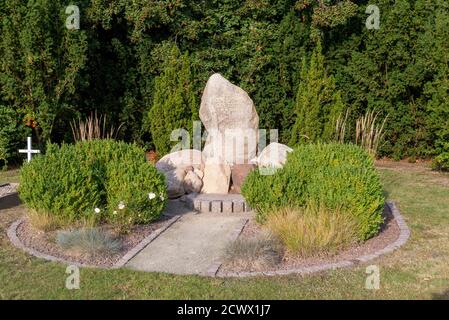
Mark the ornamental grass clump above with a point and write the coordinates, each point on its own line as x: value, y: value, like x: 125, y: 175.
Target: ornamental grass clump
x: 312, y: 230
x: 254, y: 253
x: 91, y: 240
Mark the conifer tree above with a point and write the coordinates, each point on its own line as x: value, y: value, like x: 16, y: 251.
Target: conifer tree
x: 436, y: 61
x: 174, y: 104
x: 318, y: 103
x: 42, y: 63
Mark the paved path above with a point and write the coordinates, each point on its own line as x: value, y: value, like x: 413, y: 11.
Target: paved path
x: 7, y: 188
x: 8, y: 196
x: 195, y: 244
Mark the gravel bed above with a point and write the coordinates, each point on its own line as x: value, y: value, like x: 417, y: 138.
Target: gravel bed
x: 44, y: 242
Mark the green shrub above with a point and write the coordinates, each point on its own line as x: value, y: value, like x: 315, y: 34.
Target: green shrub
x: 62, y: 183
x: 136, y: 193
x: 91, y: 240
x: 318, y: 103
x: 337, y: 176
x: 86, y: 180
x: 441, y: 162
x: 43, y: 63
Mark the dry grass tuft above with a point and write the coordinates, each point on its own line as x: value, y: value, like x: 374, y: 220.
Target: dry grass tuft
x: 312, y: 231
x: 48, y: 222
x: 44, y: 221
x: 254, y: 253
x: 340, y: 127
x: 369, y: 133
x: 94, y: 127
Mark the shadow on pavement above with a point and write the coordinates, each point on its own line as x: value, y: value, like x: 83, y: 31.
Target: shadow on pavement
x: 10, y: 201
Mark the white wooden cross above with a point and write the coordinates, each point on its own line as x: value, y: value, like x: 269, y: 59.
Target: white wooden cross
x: 29, y: 151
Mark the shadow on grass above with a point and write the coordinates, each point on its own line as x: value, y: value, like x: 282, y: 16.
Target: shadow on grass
x: 441, y: 296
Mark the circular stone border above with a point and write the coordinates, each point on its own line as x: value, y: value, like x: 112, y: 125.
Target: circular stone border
x: 12, y: 235
x: 404, y: 235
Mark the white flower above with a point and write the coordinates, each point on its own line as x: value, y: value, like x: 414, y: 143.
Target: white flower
x: 97, y: 210
x: 151, y: 195
x: 121, y: 205
x: 162, y: 197
x: 114, y: 213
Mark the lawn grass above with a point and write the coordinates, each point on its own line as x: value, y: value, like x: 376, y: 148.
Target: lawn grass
x: 420, y: 269
x: 10, y: 176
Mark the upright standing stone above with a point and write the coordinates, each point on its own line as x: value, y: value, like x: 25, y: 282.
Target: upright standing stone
x: 231, y: 120
x: 217, y: 177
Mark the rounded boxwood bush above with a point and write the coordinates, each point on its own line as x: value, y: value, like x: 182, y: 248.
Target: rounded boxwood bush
x: 135, y: 192
x: 72, y: 182
x: 339, y: 176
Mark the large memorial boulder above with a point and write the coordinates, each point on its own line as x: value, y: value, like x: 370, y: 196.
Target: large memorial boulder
x: 231, y: 121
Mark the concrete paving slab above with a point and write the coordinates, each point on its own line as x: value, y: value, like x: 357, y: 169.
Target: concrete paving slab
x: 190, y: 246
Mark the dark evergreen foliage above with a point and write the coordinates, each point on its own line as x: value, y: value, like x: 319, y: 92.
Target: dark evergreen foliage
x: 50, y: 75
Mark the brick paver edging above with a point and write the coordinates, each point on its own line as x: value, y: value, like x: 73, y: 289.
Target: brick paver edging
x: 12, y: 235
x: 404, y: 234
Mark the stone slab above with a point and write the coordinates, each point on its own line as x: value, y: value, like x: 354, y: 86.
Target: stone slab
x: 190, y: 246
x: 217, y: 203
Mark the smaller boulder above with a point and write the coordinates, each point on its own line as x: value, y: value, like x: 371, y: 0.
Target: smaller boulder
x: 192, y: 183
x: 183, y: 158
x: 175, y: 166
x: 175, y: 185
x: 199, y: 173
x: 274, y: 155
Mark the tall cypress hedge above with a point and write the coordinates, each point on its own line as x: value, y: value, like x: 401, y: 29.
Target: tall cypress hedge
x: 318, y: 103
x: 50, y: 75
x: 174, y: 104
